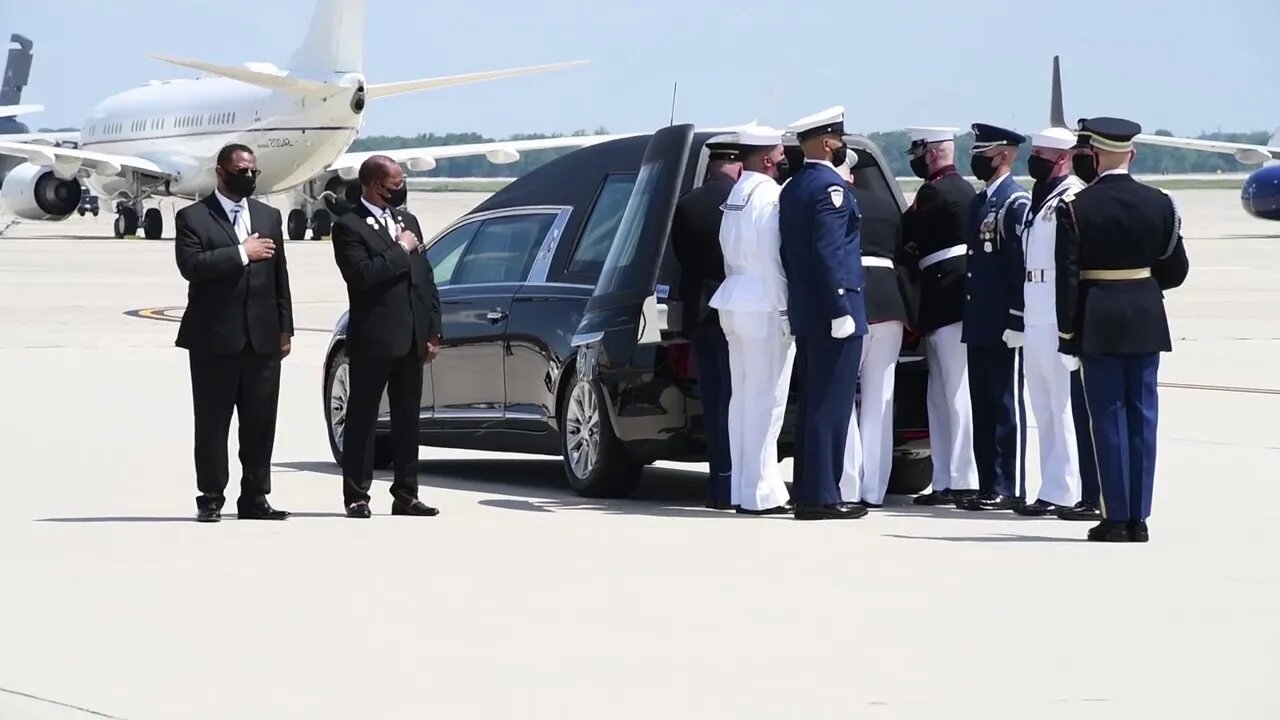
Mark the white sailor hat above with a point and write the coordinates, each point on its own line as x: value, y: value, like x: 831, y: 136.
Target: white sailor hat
x: 1055, y: 137
x: 759, y: 136
x: 827, y: 122
x: 925, y: 135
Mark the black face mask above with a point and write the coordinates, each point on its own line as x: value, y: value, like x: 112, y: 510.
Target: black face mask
x: 1039, y: 168
x: 920, y: 168
x: 840, y: 155
x: 397, y: 197
x: 238, y: 183
x: 782, y: 170
x: 983, y: 167
x: 1085, y: 167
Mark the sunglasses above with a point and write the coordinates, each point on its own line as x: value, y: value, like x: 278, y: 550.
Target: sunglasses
x: 255, y: 172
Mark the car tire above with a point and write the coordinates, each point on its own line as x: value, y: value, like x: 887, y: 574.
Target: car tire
x: 910, y: 476
x: 337, y: 386
x: 595, y: 460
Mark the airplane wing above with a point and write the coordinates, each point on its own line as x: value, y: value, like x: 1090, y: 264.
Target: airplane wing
x: 100, y: 163
x: 42, y: 138
x: 499, y: 152
x: 13, y: 110
x: 382, y: 90
x: 1245, y: 153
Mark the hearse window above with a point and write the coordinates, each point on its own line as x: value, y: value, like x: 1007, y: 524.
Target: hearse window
x: 621, y: 273
x: 503, y: 250
x: 602, y: 225
x: 444, y: 252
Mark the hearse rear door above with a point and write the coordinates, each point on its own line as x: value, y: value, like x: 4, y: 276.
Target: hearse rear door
x: 624, y: 308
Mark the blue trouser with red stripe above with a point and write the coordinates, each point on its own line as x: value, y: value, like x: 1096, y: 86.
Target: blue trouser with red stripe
x: 1123, y: 408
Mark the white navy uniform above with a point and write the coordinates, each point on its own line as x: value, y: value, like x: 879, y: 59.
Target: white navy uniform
x: 1048, y: 372
x: 752, y: 304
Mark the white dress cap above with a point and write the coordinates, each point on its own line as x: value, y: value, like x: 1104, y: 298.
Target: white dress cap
x: 1055, y: 138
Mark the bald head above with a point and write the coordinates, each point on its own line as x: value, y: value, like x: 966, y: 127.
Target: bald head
x: 380, y: 177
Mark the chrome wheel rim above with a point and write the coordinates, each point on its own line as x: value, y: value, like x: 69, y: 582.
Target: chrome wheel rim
x: 338, y: 392
x: 582, y: 430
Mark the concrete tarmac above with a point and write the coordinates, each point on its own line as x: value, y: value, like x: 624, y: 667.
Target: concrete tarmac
x: 522, y: 600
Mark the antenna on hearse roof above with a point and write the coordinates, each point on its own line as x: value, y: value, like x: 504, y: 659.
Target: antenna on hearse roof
x: 674, y: 87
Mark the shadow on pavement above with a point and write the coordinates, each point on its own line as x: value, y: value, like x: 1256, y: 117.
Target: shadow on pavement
x: 992, y: 538
x: 226, y: 517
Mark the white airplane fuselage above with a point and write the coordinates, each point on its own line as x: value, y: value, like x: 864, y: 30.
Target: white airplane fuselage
x: 182, y: 124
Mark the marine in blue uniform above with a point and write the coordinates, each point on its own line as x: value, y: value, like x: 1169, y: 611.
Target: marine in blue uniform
x: 822, y: 258
x: 695, y: 237
x: 1119, y: 248
x: 993, y: 320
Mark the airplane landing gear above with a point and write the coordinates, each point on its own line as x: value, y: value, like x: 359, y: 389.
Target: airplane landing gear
x: 126, y: 221
x: 152, y: 224
x: 296, y: 225
x: 321, y: 224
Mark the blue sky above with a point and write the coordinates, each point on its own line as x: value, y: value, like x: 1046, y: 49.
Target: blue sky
x: 1174, y: 64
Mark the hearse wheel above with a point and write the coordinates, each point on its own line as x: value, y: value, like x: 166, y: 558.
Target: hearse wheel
x: 297, y: 224
x: 152, y: 224
x: 337, y: 389
x: 595, y: 461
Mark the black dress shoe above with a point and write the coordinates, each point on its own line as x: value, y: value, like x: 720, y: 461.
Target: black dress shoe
x: 1081, y: 512
x: 1138, y: 531
x: 870, y: 505
x: 786, y: 509
x: 417, y: 508
x: 359, y: 510
x: 1112, y: 531
x: 987, y: 501
x: 260, y: 510
x: 208, y: 515
x: 1039, y: 508
x: 720, y: 505
x: 839, y: 511
x: 936, y: 498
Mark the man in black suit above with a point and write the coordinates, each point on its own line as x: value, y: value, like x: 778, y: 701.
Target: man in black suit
x: 393, y: 326
x: 237, y: 327
x: 695, y: 238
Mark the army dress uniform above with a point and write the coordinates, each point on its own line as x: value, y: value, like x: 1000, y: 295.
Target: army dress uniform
x: 752, y: 304
x: 821, y: 256
x: 1119, y: 247
x: 886, y: 301
x: 695, y: 238
x: 935, y: 245
x: 993, y: 327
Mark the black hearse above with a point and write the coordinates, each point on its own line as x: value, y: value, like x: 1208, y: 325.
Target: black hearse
x: 561, y: 315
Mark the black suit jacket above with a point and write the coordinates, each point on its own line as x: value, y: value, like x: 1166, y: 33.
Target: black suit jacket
x: 394, y: 303
x: 695, y: 238
x: 231, y: 306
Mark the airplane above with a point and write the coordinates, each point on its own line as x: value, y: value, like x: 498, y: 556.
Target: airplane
x: 162, y: 139
x: 1260, y: 194
x: 17, y: 71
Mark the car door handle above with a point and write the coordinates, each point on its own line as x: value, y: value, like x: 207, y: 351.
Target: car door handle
x: 496, y: 316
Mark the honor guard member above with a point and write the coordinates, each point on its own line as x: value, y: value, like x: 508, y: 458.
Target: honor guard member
x: 1048, y: 373
x: 695, y: 237
x: 934, y: 239
x: 752, y: 304
x: 993, y: 319
x: 818, y: 218
x: 881, y: 234
x: 1089, y: 509
x: 1119, y: 247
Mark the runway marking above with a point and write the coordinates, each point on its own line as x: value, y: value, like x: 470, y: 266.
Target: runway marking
x: 60, y: 704
x: 173, y: 313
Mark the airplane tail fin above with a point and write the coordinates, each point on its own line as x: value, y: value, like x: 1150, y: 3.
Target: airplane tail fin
x: 410, y: 86
x: 12, y: 110
x: 17, y: 70
x: 1057, y: 115
x: 268, y: 80
x: 334, y: 43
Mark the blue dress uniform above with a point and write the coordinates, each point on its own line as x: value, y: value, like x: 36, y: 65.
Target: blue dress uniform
x: 993, y: 325
x: 822, y: 258
x: 1119, y: 247
x: 695, y: 238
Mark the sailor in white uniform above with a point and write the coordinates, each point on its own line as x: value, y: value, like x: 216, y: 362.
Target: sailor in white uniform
x: 752, y: 303
x: 1047, y: 371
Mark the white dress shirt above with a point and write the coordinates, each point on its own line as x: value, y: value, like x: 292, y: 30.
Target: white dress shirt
x: 386, y: 215
x: 238, y: 214
x: 991, y: 188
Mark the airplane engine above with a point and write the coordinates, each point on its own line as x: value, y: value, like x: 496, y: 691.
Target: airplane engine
x: 33, y: 192
x: 502, y: 156
x: 1260, y: 194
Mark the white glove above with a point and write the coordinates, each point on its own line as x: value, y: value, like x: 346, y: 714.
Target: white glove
x: 842, y: 327
x: 786, y: 324
x: 1071, y: 361
x: 1012, y: 338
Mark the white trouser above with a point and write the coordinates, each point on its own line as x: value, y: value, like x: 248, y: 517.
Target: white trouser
x: 1049, y: 384
x: 950, y: 411
x: 867, y: 476
x: 760, y: 357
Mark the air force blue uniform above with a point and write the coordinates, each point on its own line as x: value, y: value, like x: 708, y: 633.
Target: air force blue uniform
x: 822, y: 257
x: 1119, y: 247
x: 992, y: 320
